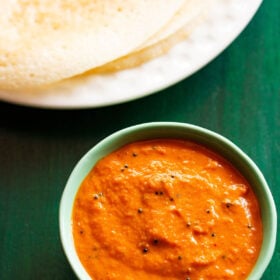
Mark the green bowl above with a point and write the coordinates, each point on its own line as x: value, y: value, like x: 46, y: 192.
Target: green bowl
x: 212, y: 140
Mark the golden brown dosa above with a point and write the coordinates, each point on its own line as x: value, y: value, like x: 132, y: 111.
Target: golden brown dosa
x: 179, y: 27
x: 44, y: 41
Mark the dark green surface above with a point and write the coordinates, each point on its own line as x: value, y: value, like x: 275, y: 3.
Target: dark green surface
x: 237, y: 95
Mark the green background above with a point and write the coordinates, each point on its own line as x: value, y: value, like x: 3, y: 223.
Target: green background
x: 237, y: 95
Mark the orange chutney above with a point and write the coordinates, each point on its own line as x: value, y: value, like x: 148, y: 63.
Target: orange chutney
x: 166, y: 209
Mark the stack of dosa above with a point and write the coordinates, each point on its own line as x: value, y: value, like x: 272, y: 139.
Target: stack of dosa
x: 43, y: 42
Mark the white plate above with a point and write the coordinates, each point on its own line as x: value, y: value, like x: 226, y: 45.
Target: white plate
x: 225, y: 21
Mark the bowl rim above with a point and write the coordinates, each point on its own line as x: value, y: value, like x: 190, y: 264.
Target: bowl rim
x: 149, y: 130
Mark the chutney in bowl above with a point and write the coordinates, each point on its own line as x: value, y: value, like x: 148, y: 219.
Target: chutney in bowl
x: 167, y: 201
